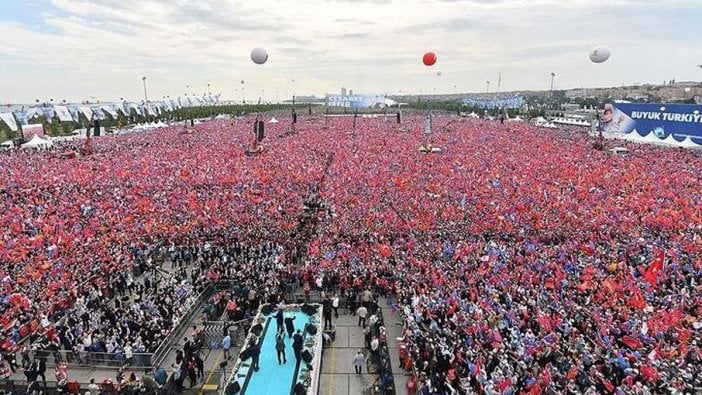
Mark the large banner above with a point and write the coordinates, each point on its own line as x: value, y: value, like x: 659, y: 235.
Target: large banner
x: 675, y: 124
x: 63, y: 114
x: 110, y: 109
x: 358, y: 101
x: 9, y: 119
x: 489, y: 104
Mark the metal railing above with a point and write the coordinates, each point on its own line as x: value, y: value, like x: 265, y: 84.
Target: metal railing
x: 94, y: 359
x: 117, y: 360
x: 171, y: 339
x: 237, y: 332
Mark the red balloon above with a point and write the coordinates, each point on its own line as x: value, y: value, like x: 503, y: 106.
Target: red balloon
x: 429, y: 58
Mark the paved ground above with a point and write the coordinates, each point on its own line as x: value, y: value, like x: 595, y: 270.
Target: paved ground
x: 338, y: 376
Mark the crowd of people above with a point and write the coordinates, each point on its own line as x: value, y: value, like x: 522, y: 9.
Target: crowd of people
x: 522, y: 260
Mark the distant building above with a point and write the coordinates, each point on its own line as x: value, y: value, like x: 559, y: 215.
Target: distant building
x: 578, y: 93
x: 687, y: 83
x: 312, y: 99
x: 350, y: 92
x: 343, y: 91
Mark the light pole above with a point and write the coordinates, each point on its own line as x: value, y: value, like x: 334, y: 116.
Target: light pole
x: 208, y: 89
x: 146, y: 97
x: 499, y: 84
x: 243, y: 95
x: 553, y: 75
x: 488, y: 87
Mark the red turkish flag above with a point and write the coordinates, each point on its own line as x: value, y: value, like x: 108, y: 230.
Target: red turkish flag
x: 637, y: 301
x: 631, y: 342
x: 651, y: 273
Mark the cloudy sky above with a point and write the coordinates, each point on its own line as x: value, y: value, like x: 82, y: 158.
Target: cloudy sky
x: 78, y: 49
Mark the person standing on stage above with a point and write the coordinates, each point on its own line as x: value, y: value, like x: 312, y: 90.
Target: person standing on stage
x: 290, y: 326
x: 255, y: 354
x: 280, y: 347
x: 279, y: 320
x: 297, y: 345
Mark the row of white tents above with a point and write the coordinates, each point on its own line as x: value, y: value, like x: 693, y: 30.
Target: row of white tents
x: 72, y: 112
x: 47, y: 142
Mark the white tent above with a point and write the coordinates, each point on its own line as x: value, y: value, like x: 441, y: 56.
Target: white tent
x: 273, y: 120
x: 62, y: 139
x: 37, y: 142
x: 543, y: 123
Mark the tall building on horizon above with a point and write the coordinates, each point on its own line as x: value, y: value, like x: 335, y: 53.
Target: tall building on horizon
x: 343, y: 91
x: 350, y: 92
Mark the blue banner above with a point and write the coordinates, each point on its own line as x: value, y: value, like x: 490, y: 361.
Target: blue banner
x: 676, y: 124
x: 489, y: 104
x: 358, y: 101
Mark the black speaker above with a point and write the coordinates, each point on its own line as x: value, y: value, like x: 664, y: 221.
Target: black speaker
x: 299, y: 389
x: 399, y: 118
x: 294, y: 117
x: 257, y: 329
x: 307, y: 356
x: 233, y: 388
x: 96, y: 128
x: 311, y: 329
x: 309, y: 310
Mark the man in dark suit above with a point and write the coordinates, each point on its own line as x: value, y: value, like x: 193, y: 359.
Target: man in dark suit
x: 41, y: 370
x: 297, y: 345
x: 187, y: 347
x: 255, y: 353
x: 327, y: 314
x: 279, y: 320
x: 289, y: 326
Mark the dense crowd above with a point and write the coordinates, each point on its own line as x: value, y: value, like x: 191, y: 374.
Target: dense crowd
x: 522, y: 259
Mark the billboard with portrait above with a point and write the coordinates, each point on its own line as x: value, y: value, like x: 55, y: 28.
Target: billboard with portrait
x: 674, y: 124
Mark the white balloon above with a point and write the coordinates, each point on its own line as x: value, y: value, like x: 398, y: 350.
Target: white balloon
x: 600, y: 54
x: 687, y: 90
x: 259, y: 55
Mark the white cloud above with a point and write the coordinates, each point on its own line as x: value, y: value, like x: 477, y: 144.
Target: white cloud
x: 104, y: 47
